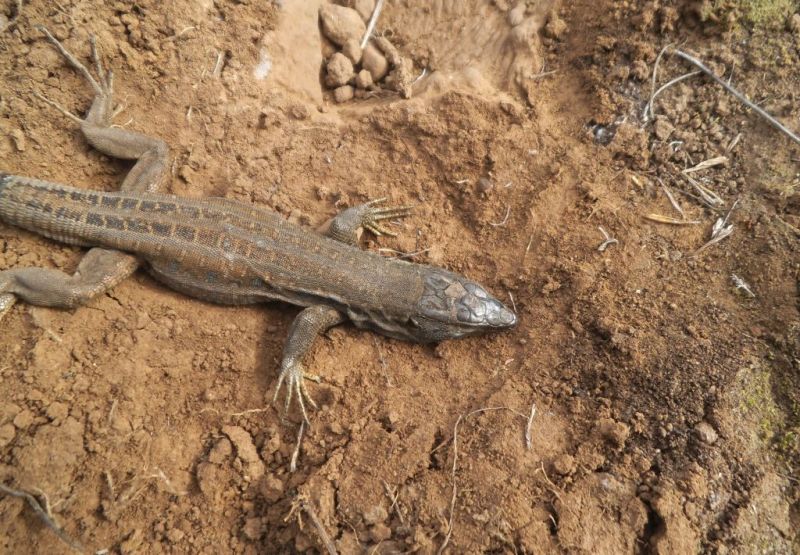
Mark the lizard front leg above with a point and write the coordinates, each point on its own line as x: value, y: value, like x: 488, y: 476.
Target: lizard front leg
x: 345, y: 226
x: 100, y: 269
x: 308, y: 325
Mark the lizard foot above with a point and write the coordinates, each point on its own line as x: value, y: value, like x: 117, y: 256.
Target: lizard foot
x: 372, y: 215
x: 295, y: 377
x: 103, y: 86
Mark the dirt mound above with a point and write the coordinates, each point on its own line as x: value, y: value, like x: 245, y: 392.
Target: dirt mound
x: 666, y: 393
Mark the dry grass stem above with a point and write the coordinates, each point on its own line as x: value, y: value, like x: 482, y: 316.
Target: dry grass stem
x: 649, y: 106
x: 653, y: 81
x: 393, y: 495
x: 705, y: 164
x: 741, y: 97
x: 742, y: 286
x: 669, y: 220
x: 709, y: 197
x: 44, y: 515
x: 455, y: 466
x: 296, y: 452
x: 528, y: 440
x: 720, y: 230
x: 301, y: 503
x: 733, y: 143
x: 505, y: 219
x: 672, y: 200
x: 608, y: 240
x: 401, y: 254
x: 372, y: 22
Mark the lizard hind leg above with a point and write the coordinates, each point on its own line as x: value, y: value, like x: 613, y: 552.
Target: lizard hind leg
x: 307, y: 326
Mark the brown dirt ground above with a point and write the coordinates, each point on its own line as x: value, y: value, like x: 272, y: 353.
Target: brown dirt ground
x: 668, y: 403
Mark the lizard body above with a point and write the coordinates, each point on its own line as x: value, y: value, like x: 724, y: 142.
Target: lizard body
x: 229, y: 252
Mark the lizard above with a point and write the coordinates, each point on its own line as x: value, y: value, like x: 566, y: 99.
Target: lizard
x: 230, y: 252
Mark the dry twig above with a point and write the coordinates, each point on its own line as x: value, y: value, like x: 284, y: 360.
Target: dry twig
x: 739, y: 96
x: 372, y: 21
x: 669, y: 220
x: 44, y: 515
x: 301, y: 503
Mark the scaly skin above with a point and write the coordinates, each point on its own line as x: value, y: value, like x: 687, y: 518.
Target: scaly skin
x: 229, y: 252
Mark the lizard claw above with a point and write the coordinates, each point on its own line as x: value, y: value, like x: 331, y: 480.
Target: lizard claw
x: 103, y: 86
x: 295, y: 377
x: 372, y: 215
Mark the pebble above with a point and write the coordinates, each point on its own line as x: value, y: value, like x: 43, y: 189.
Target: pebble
x: 364, y: 79
x: 7, y: 433
x: 352, y: 50
x: 253, y: 528
x: 271, y: 488
x: 221, y: 451
x: 706, y: 432
x: 517, y: 14
x: 373, y: 61
x: 175, y: 535
x: 564, y: 464
x: 340, y: 70
x: 341, y: 24
x: 23, y: 419
x: 380, y: 532
x: 245, y: 448
x: 343, y: 94
x: 375, y: 515
x: 615, y: 432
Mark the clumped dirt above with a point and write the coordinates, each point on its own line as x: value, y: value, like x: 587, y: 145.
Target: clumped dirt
x: 667, y: 400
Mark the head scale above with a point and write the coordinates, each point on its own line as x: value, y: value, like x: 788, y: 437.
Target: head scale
x: 453, y: 306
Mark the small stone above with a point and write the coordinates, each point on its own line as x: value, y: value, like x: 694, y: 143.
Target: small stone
x: 663, y: 128
x: 364, y: 8
x: 343, y: 94
x: 18, y: 137
x: 271, y: 488
x: 389, y: 50
x: 615, y: 432
x: 517, y: 14
x: 706, y: 432
x: 364, y: 79
x: 564, y: 464
x: 380, y: 532
x: 8, y: 411
x: 339, y: 70
x: 23, y: 419
x: 341, y: 24
x: 57, y: 411
x: 555, y: 27
x: 352, y: 50
x: 245, y: 448
x: 175, y: 535
x: 207, y: 478
x: 375, y: 515
x: 373, y: 61
x: 7, y: 433
x: 639, y: 70
x: 221, y: 451
x: 253, y: 528
x: 485, y: 185
x: 132, y: 543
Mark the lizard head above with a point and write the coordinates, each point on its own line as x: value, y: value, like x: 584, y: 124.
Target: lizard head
x: 453, y: 306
